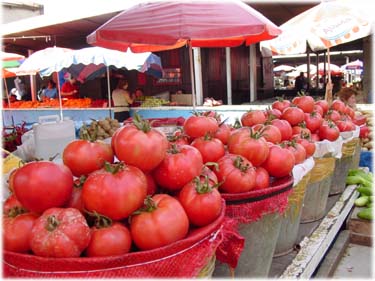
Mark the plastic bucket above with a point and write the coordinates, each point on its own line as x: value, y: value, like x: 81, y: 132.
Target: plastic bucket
x: 317, y: 190
x: 342, y: 166
x: 191, y: 257
x: 291, y: 219
x: 259, y: 214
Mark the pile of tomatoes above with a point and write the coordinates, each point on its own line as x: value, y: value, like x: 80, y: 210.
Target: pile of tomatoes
x: 144, y: 190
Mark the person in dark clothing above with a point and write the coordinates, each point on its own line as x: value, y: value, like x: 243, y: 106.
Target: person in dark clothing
x: 300, y: 83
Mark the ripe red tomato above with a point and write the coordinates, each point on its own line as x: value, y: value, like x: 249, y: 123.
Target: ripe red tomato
x: 359, y: 120
x: 76, y: 198
x: 248, y: 144
x: 133, y: 142
x: 338, y: 105
x: 162, y: 222
x: 180, y: 166
x: 349, y: 112
x: 284, y: 127
x: 17, y: 230
x: 319, y: 110
x: 298, y: 151
x: 333, y: 115
x: 344, y: 125
x: 178, y: 138
x: 60, y: 233
x: 223, y: 133
x: 115, y: 191
x: 198, y: 126
x: 236, y: 174
x: 211, y: 149
x: 262, y: 178
x: 323, y: 104
x: 42, y: 185
x: 281, y: 104
x: 151, y: 184
x: 206, y: 171
x: 306, y: 103
x: 112, y: 240
x: 308, y: 145
x: 83, y: 157
x: 300, y: 130
x: 313, y: 121
x: 329, y: 131
x: 270, y: 133
x: 201, y: 201
x: 280, y: 161
x: 10, y: 203
x: 272, y: 113
x: 315, y: 137
x: 364, y: 131
x: 253, y: 117
x: 293, y: 115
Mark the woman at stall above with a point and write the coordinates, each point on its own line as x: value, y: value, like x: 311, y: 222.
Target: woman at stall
x: 348, y: 96
x: 50, y: 91
x: 69, y: 89
x: 122, y: 100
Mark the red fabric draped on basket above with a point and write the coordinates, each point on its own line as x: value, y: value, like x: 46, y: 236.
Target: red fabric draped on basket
x: 184, y: 258
x: 249, y: 207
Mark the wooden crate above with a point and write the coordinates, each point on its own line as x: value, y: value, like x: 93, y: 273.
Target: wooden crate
x: 360, y: 229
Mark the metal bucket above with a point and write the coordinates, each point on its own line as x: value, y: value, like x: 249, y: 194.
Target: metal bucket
x: 342, y: 167
x: 260, y: 229
x: 317, y: 190
x: 291, y: 219
x: 260, y: 242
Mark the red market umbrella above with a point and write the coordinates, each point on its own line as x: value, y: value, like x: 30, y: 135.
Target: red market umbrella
x: 165, y: 25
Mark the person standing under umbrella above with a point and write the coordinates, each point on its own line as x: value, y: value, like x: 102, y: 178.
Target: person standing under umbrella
x: 122, y: 100
x: 69, y: 89
x: 300, y: 84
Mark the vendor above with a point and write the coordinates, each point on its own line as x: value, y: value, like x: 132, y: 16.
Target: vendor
x: 50, y: 91
x: 122, y: 100
x: 348, y: 96
x: 69, y: 89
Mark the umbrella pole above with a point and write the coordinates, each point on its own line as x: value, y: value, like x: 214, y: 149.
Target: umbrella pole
x: 60, y: 98
x: 192, y: 73
x: 109, y: 93
x: 6, y: 89
x: 328, y: 95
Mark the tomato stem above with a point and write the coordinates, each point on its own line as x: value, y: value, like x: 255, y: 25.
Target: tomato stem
x: 238, y: 163
x: 80, y: 182
x: 214, y: 164
x: 202, y: 187
x: 141, y: 124
x: 52, y: 223
x: 174, y: 149
x: 113, y: 168
x: 15, y: 211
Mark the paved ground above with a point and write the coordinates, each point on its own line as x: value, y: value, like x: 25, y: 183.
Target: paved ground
x: 356, y: 262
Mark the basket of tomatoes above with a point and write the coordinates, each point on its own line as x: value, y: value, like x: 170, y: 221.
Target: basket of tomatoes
x: 93, y: 217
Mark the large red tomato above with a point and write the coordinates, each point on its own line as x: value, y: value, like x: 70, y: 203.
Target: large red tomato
x: 262, y: 178
x: 249, y: 144
x: 83, y: 157
x: 284, y: 127
x: 298, y: 151
x: 270, y: 133
x: 17, y: 230
x: 306, y: 103
x: 313, y: 121
x: 329, y: 131
x: 43, y: 185
x: 115, y: 191
x: 212, y: 149
x: 293, y: 115
x: 140, y: 145
x: 323, y: 104
x: 161, y: 222
x: 180, y: 166
x: 333, y: 115
x: 280, y: 161
x: 338, y: 105
x: 10, y: 203
x: 60, y: 233
x: 364, y: 131
x: 223, y: 133
x: 359, y: 120
x: 253, y: 117
x: 201, y: 201
x: 236, y: 173
x: 272, y: 113
x: 281, y: 104
x: 197, y: 126
x: 308, y: 145
x: 109, y: 240
x: 76, y: 198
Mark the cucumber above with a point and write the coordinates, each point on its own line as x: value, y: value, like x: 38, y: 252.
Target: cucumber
x: 365, y: 214
x: 362, y: 201
x: 365, y: 190
x: 369, y: 205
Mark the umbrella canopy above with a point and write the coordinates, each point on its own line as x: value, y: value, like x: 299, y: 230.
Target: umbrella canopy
x: 303, y: 68
x: 335, y: 69
x: 357, y: 64
x: 326, y: 25
x: 168, y: 25
x: 283, y: 67
x: 88, y: 63
x: 11, y: 59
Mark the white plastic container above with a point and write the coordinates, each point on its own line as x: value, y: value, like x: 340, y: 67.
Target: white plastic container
x: 52, y: 135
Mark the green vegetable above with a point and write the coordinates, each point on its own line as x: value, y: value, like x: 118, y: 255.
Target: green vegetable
x: 369, y: 204
x: 365, y: 214
x: 361, y: 173
x: 358, y: 180
x: 362, y: 201
x: 364, y: 190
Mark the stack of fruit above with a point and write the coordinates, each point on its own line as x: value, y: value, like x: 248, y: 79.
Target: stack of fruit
x: 364, y: 117
x: 99, y: 130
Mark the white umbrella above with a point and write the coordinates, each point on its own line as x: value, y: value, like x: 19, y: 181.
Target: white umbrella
x: 357, y: 64
x: 303, y: 68
x: 283, y: 67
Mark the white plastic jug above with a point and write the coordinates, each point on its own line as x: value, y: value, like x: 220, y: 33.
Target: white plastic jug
x: 52, y: 135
